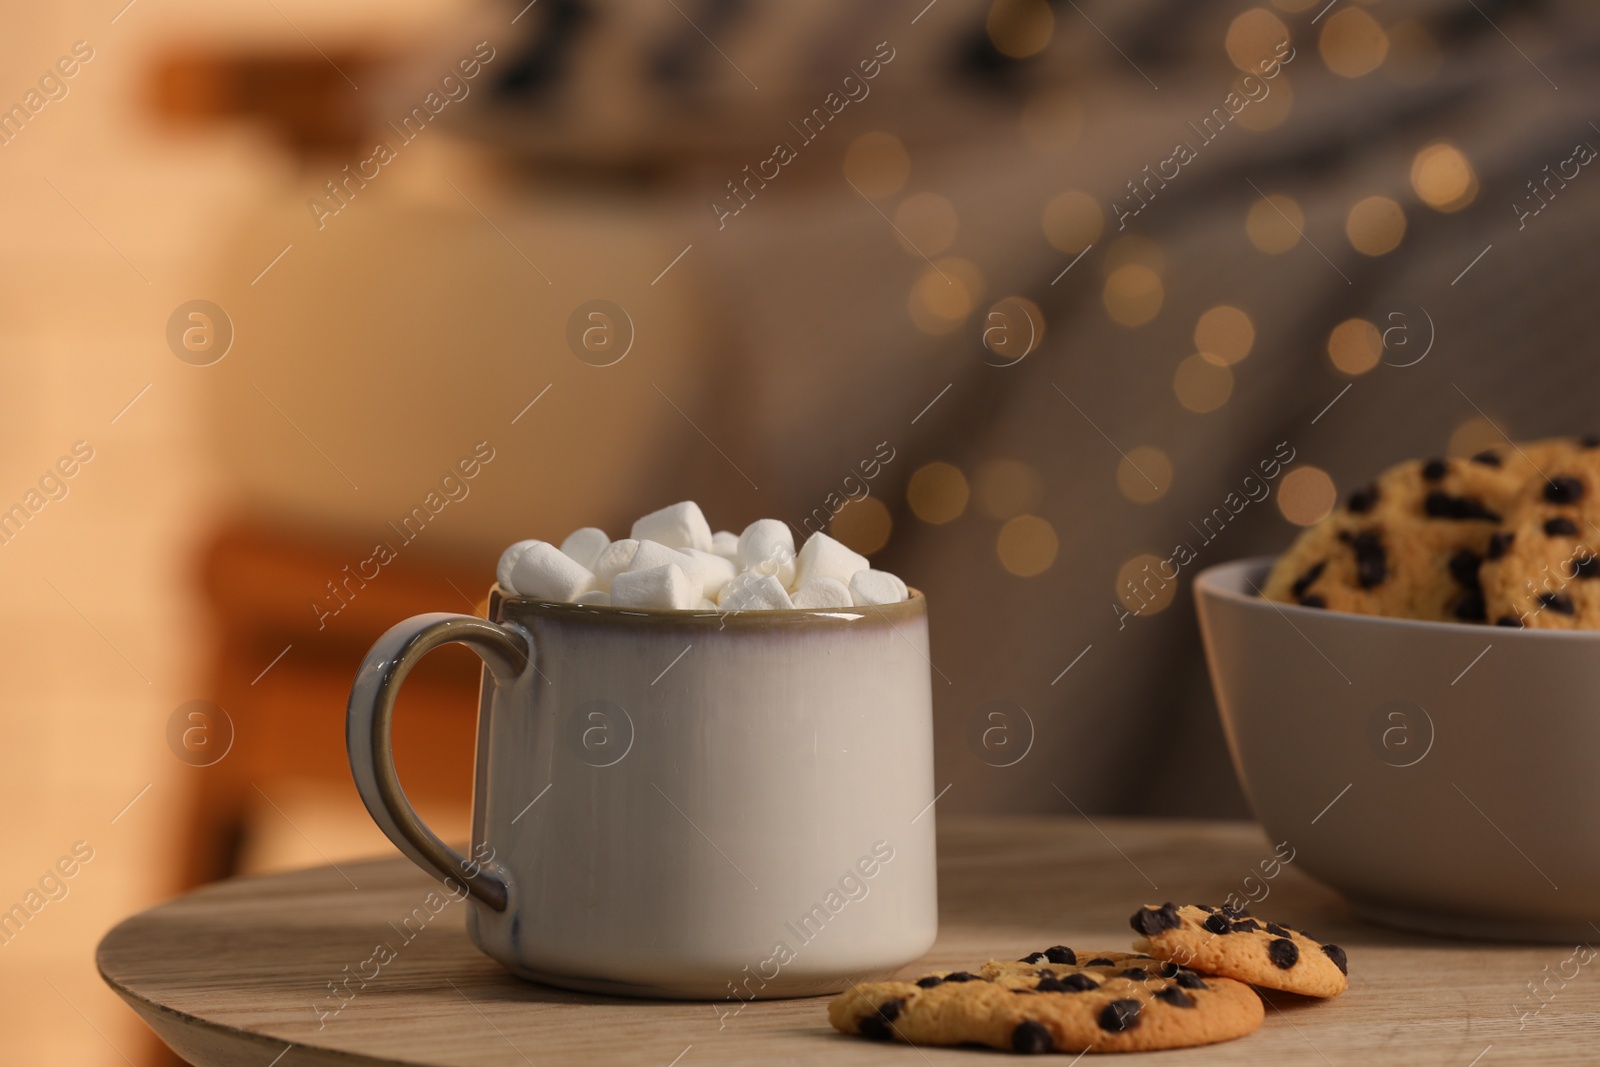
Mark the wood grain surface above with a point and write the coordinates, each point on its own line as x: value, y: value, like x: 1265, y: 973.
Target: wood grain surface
x: 233, y: 974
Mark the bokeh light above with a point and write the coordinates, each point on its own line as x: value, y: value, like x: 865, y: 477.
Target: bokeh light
x: 1224, y: 334
x: 1355, y: 346
x: 1352, y: 43
x: 1473, y: 436
x: 928, y: 221
x: 1146, y: 584
x: 877, y: 164
x: 938, y: 493
x: 1020, y: 28
x: 1274, y: 223
x: 863, y: 525
x: 1443, y: 178
x: 1008, y: 487
x: 1254, y: 36
x: 1375, y: 225
x: 1133, y: 294
x: 945, y: 294
x: 1072, y: 221
x: 1307, y: 495
x: 1027, y: 545
x: 1202, y: 385
x: 1144, y: 475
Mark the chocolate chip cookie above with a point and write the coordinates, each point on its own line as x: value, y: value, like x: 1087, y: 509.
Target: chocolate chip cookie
x: 1228, y: 941
x: 1056, y: 1000
x: 1412, y: 543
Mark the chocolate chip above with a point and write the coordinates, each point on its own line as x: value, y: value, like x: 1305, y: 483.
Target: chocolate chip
x: 1277, y: 931
x: 1487, y: 458
x: 1031, y: 1038
x: 1169, y: 970
x: 1135, y: 974
x: 1032, y: 957
x: 1061, y: 954
x: 1499, y: 542
x: 1246, y: 926
x: 1283, y: 953
x: 1363, y: 500
x: 1302, y: 583
x: 1233, y: 911
x: 1218, y: 924
x: 1151, y: 921
x: 1560, y: 603
x: 1563, y: 489
x: 1586, y: 567
x: 1175, y: 996
x: 877, y: 1026
x: 1509, y: 620
x: 1472, y: 607
x: 963, y: 976
x: 1464, y: 567
x: 1336, y: 954
x: 1204, y: 907
x: 930, y: 981
x: 1100, y: 961
x: 1590, y: 440
x: 1434, y: 469
x: 1442, y: 505
x: 1372, y: 563
x: 1313, y: 600
x: 1120, y: 1015
x: 1190, y: 980
x: 1560, y: 526
x: 1072, y: 983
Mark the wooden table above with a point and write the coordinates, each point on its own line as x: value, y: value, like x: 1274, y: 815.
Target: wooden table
x: 229, y: 974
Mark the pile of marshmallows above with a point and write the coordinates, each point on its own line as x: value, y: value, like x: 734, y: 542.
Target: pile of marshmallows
x: 672, y: 561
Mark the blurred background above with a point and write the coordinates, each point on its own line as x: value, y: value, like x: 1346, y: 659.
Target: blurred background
x: 1079, y: 282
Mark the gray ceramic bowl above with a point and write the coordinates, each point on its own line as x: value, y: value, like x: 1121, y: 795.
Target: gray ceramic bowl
x: 1445, y: 777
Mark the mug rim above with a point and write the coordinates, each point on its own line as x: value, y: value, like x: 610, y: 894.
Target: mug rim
x: 912, y: 607
x: 1220, y: 581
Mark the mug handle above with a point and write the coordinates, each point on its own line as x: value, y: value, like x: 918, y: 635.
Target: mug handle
x: 367, y: 736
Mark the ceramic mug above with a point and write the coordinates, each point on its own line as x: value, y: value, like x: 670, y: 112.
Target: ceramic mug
x: 681, y: 804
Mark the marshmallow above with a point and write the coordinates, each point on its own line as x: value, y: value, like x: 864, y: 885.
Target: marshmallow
x: 876, y: 587
x: 674, y: 562
x: 823, y: 557
x: 614, y: 559
x: 543, y: 571
x: 584, y: 546
x: 664, y: 587
x: 726, y: 545
x: 679, y: 526
x: 508, y: 560
x: 824, y: 593
x: 650, y: 555
x: 767, y: 547
x: 754, y: 592
x: 712, y: 571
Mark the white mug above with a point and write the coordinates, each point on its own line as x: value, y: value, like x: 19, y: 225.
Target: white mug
x: 681, y: 804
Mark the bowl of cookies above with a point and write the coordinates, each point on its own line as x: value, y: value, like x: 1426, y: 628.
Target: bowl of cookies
x: 1411, y: 692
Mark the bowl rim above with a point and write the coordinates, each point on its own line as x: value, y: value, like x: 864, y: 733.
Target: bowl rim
x: 1222, y: 581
